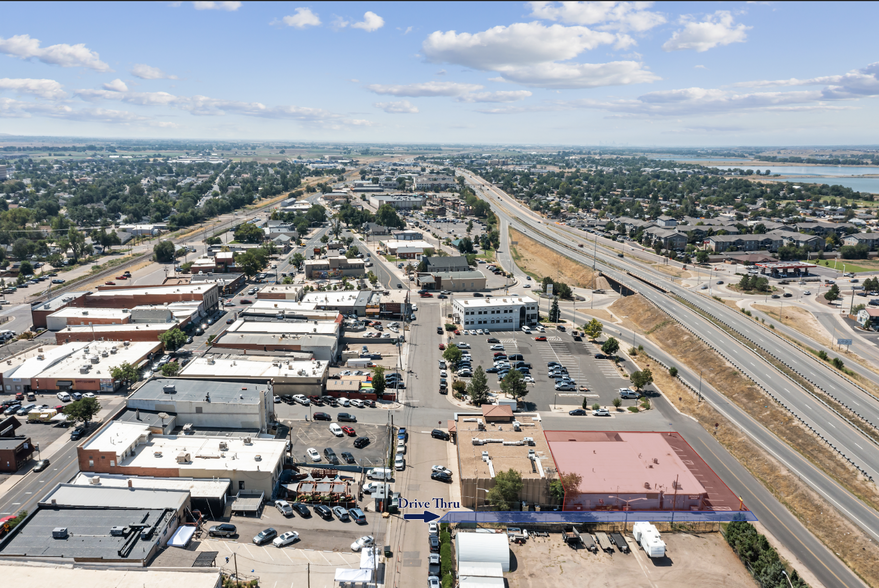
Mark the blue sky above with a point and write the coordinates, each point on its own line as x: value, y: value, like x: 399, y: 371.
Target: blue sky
x: 573, y: 73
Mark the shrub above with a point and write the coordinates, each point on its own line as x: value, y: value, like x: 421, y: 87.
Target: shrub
x: 822, y: 355
x: 634, y: 409
x: 596, y: 406
x: 445, y: 559
x: 645, y: 404
x: 837, y: 363
x: 673, y: 372
x: 450, y: 327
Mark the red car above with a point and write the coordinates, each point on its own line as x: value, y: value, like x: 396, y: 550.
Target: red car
x: 457, y: 332
x: 442, y: 346
x: 499, y: 353
x: 246, y: 301
x: 349, y: 431
x: 541, y: 338
x: 121, y: 277
x: 110, y: 283
x: 426, y: 295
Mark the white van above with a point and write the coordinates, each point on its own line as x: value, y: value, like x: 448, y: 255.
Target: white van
x: 379, y: 474
x: 526, y: 330
x: 336, y: 430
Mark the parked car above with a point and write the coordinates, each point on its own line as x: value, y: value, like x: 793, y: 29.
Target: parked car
x: 323, y: 512
x: 577, y: 412
x: 348, y: 457
x: 399, y: 463
x: 600, y: 412
x: 41, y: 465
x: 344, y: 417
x: 341, y: 513
x: 439, y: 434
x: 361, y: 442
x: 321, y: 416
x: 265, y: 536
x: 349, y: 431
x: 365, y: 541
x: 357, y: 516
x: 313, y: 455
x: 284, y: 508
x: 286, y: 539
x: 224, y: 530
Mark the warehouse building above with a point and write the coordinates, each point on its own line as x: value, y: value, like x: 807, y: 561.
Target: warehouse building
x: 287, y: 375
x: 502, y: 313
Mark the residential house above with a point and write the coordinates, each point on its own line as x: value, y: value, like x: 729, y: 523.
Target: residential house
x: 669, y: 238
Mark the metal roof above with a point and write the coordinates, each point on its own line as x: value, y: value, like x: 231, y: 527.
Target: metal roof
x: 187, y: 390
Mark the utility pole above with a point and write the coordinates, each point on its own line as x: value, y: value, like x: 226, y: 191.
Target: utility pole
x: 308, y: 573
x: 235, y: 559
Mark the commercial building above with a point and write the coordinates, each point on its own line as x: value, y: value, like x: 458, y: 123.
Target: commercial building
x: 15, y: 450
x: 627, y: 471
x: 450, y: 273
x: 502, y: 313
x: 398, y: 201
x: 320, y: 339
x: 63, y: 575
x: 142, y: 323
x: 286, y: 375
x: 76, y: 367
x: 279, y: 309
x: 434, y: 182
x: 485, y: 448
x: 252, y: 463
x: 407, y: 249
x: 208, y: 403
x: 333, y: 268
x: 346, y: 302
x: 280, y: 292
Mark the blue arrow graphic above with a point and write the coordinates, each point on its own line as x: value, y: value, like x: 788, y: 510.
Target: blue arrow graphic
x: 426, y: 516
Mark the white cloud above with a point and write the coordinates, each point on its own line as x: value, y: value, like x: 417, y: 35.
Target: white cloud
x: 371, y: 22
x: 227, y: 6
x: 146, y: 72
x: 863, y: 82
x: 48, y: 89
x: 503, y: 96
x: 304, y: 17
x: 716, y: 29
x: 425, y: 89
x: 699, y: 67
x: 624, y: 16
x: 407, y: 31
x: 24, y: 47
x: 530, y: 54
x: 116, y: 85
x: 17, y: 109
x: 401, y: 107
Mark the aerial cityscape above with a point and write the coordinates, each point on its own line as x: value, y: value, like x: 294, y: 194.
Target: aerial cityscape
x: 443, y: 295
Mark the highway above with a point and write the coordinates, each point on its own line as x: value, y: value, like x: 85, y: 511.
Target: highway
x: 819, y: 559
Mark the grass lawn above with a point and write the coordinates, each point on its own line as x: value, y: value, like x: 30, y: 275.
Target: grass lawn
x: 487, y: 254
x: 859, y: 265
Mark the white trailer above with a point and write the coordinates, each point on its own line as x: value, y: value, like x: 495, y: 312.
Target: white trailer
x: 649, y: 539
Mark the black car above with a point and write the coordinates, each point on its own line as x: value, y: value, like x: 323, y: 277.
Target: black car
x: 77, y: 434
x: 323, y: 512
x: 224, y: 530
x: 443, y: 389
x: 321, y: 416
x: 344, y: 417
x: 578, y: 338
x: 361, y: 442
x: 265, y: 536
x: 478, y: 294
x: 301, y: 509
x: 369, y: 403
x: 599, y: 356
x: 439, y: 434
x: 41, y: 465
x: 439, y: 330
x: 441, y: 476
x: 577, y: 412
x: 434, y: 543
x: 348, y: 457
x: 331, y: 456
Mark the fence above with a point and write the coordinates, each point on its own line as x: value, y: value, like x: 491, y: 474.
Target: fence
x: 596, y: 517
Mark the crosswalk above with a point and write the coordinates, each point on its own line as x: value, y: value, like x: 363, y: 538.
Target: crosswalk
x: 558, y: 351
x: 605, y: 366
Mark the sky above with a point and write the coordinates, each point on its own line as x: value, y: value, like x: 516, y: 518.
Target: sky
x: 527, y: 73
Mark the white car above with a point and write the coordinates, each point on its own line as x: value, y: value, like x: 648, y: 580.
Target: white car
x: 399, y: 463
x: 463, y: 346
x: 344, y: 402
x: 600, y: 412
x: 301, y: 400
x: 486, y: 332
x: 432, y: 528
x: 414, y: 308
x: 401, y: 446
x: 313, y: 455
x: 443, y: 374
x: 433, y: 582
x: 442, y: 469
x: 528, y: 379
x: 527, y: 286
x: 480, y: 332
x: 526, y: 330
x: 88, y: 395
x: 365, y: 541
x: 336, y: 430
x: 285, y: 539
x: 497, y: 347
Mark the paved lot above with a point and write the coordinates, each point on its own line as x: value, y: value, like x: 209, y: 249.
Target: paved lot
x: 600, y: 376
x: 692, y: 560
x: 317, y: 435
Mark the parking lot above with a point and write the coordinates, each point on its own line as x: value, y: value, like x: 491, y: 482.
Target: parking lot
x: 600, y: 376
x: 317, y: 435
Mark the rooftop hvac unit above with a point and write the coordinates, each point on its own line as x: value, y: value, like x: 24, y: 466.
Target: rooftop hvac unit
x: 528, y: 440
x: 105, y: 353
x: 146, y: 533
x: 169, y: 389
x: 59, y: 533
x: 224, y: 446
x: 118, y: 531
x: 85, y: 313
x: 157, y: 454
x: 84, y: 369
x: 247, y: 441
x: 41, y: 357
x: 95, y: 481
x: 478, y: 441
x: 126, y: 343
x: 183, y: 457
x: 113, y: 351
x: 257, y: 457
x: 484, y: 455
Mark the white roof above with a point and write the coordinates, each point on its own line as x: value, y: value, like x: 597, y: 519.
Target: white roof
x: 338, y: 297
x: 157, y: 290
x: 494, y: 301
x: 73, y: 356
x: 86, y: 313
x: 413, y: 244
x: 253, y: 366
x: 479, y: 548
x: 242, y: 327
x: 282, y: 304
x: 479, y: 582
x: 118, y: 437
x: 198, y: 488
x: 21, y: 574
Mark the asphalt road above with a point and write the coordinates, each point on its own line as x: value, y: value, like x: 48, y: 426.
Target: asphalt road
x: 784, y: 526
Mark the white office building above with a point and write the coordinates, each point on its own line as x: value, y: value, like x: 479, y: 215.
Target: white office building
x: 502, y: 313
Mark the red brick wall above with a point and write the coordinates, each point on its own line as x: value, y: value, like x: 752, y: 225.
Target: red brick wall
x: 103, y: 465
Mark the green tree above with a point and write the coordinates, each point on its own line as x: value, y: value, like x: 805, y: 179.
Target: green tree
x: 702, y: 256
x: 77, y: 244
x: 249, y: 233
x: 610, y: 347
x: 673, y: 372
x: 170, y: 369
x: 173, y: 339
x: 514, y: 385
x: 478, y: 387
x: 387, y: 216
x: 617, y: 402
x: 554, y: 312
x: 452, y: 355
x: 125, y: 373
x: 505, y: 493
x: 593, y: 329
x: 164, y: 251
x: 83, y: 410
x: 469, y: 227
x: 459, y: 387
x: 297, y: 259
x: 251, y: 262
x: 378, y: 380
x: 370, y: 275
x: 26, y: 268
x: 641, y: 378
x: 832, y: 294
x: 465, y: 245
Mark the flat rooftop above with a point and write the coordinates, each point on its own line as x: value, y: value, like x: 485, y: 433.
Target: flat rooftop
x: 96, y: 313
x: 190, y: 390
x: 88, y: 533
x: 115, y: 497
x: 242, y: 327
x: 407, y: 244
x: 197, y: 488
x: 622, y: 462
x: 341, y: 298
x: 153, y: 290
x: 503, y: 457
x: 29, y: 576
x: 59, y: 301
x: 12, y: 363
x: 280, y: 289
x: 494, y: 301
x: 248, y: 366
x: 72, y: 356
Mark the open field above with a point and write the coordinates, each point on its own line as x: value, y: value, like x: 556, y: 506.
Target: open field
x: 798, y: 319
x: 851, y: 265
x: 820, y: 517
x: 539, y: 261
x: 693, y: 560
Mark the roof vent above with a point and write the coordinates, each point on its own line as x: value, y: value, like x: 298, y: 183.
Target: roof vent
x: 59, y: 533
x: 118, y: 531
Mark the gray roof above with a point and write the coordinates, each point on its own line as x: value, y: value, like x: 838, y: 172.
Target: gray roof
x: 445, y: 264
x: 734, y: 238
x: 88, y: 533
x: 107, y: 496
x: 468, y: 275
x: 187, y: 390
